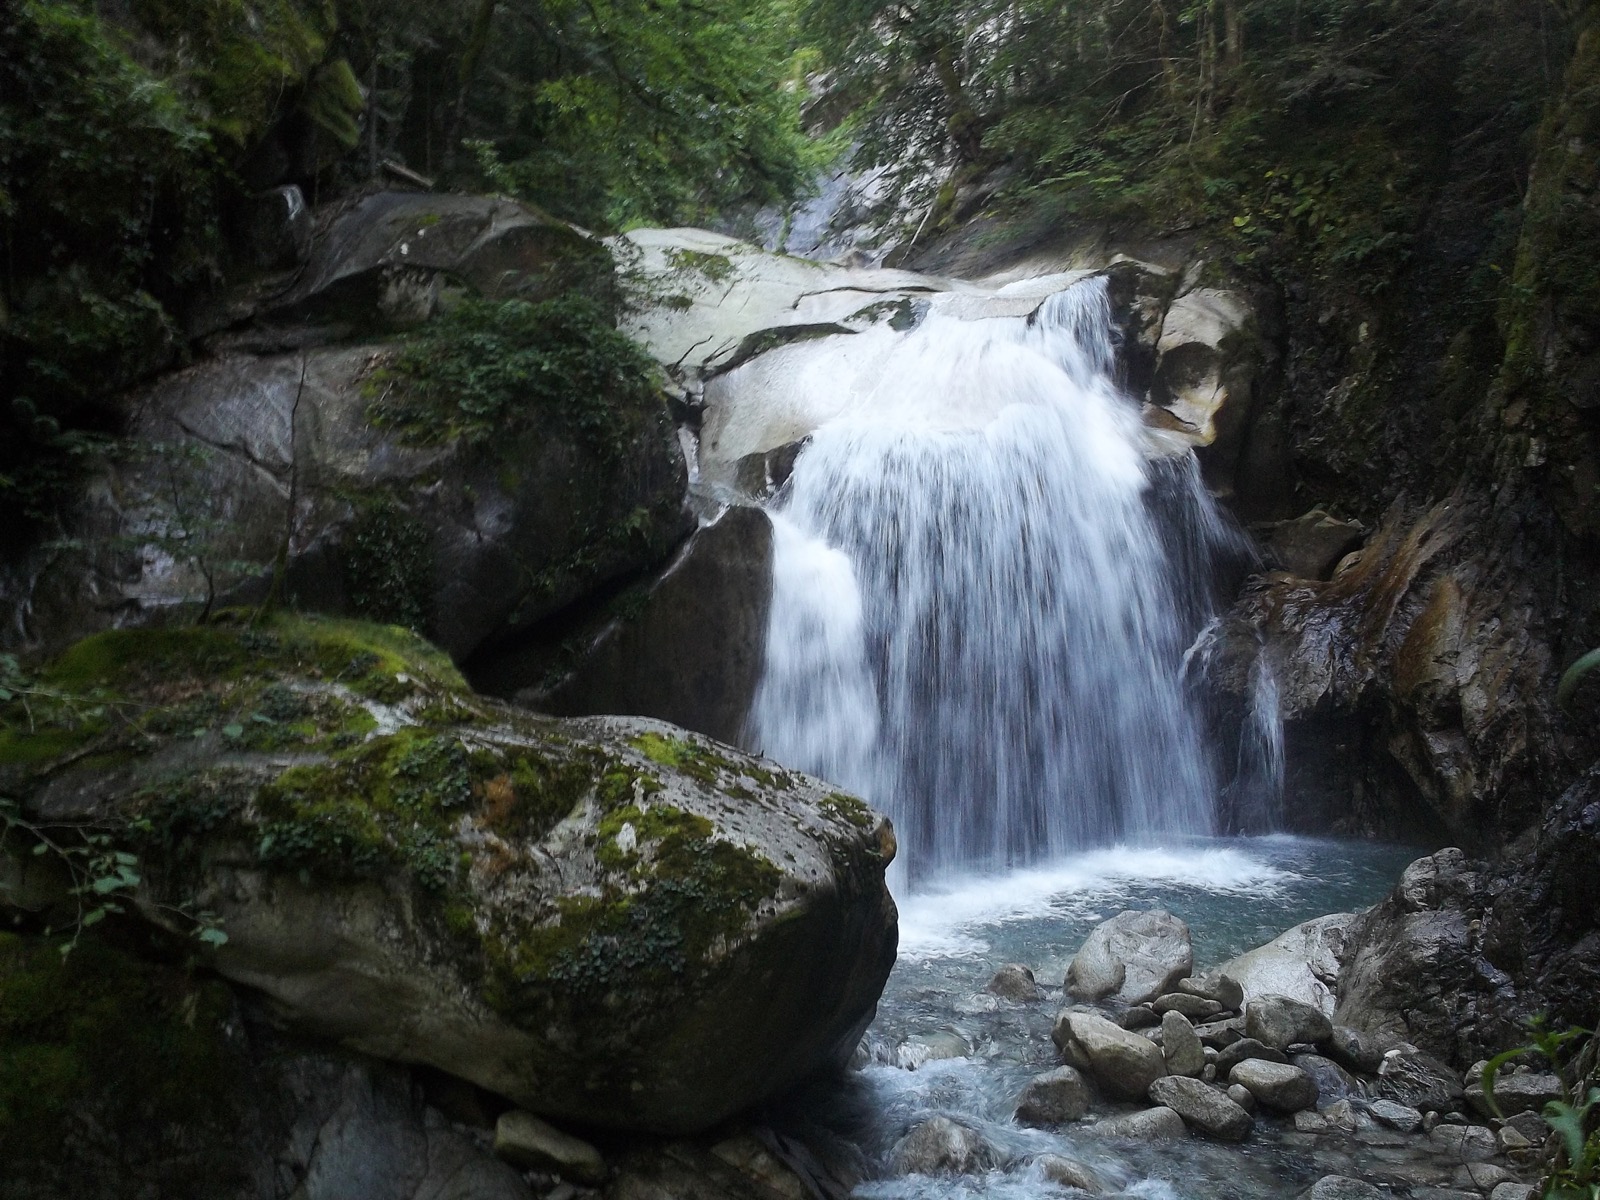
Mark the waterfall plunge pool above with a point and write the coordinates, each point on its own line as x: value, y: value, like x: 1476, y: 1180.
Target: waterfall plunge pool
x: 1234, y: 893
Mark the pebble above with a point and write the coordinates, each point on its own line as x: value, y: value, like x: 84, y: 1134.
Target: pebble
x: 1396, y: 1115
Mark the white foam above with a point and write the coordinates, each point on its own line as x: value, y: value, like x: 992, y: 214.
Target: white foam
x: 949, y: 919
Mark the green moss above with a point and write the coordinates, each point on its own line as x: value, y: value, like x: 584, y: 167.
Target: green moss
x: 848, y: 808
x: 101, y: 1037
x: 718, y: 268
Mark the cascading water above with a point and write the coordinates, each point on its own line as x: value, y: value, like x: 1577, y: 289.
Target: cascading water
x: 979, y: 617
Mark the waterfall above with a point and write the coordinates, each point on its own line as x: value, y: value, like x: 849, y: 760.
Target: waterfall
x: 980, y: 611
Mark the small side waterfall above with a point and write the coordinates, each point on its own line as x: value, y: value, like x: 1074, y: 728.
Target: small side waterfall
x: 982, y: 601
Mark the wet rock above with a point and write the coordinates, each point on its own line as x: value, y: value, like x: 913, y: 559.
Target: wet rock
x: 1302, y: 963
x: 1196, y: 1008
x: 1309, y: 546
x: 1306, y: 1121
x: 753, y: 1157
x: 1484, y: 1176
x: 523, y: 1140
x: 1341, y: 1187
x: 1387, y: 1138
x: 1140, y: 1016
x: 1356, y: 1050
x: 1514, y: 1191
x: 1180, y: 1047
x: 1216, y: 985
x: 1150, y: 1124
x: 1333, y: 1081
x: 1396, y: 1115
x: 1511, y: 1140
x: 1242, y: 1096
x: 1465, y: 1143
x: 1280, y: 1086
x: 1123, y: 1063
x: 1419, y: 1080
x: 1281, y: 1021
x: 1150, y: 950
x: 1203, y: 1107
x: 939, y: 1146
x: 1014, y: 982
x: 1231, y: 1055
x: 1531, y: 1126
x: 1069, y: 1172
x: 1341, y: 1115
x: 1515, y: 1093
x: 1054, y: 1098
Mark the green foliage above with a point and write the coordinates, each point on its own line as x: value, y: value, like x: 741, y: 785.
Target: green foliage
x: 388, y: 565
x: 1575, y: 1174
x: 1573, y: 676
x: 617, y: 112
x: 487, y: 367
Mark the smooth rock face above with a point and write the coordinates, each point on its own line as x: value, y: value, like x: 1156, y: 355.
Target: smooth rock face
x: 1150, y: 949
x: 1339, y: 1187
x: 1281, y: 1086
x: 939, y: 1146
x: 1014, y: 982
x: 1122, y: 1063
x: 1301, y: 963
x: 1419, y: 1080
x: 1150, y: 1124
x: 523, y: 1140
x: 1054, y: 1098
x: 691, y: 655
x: 1203, y: 1107
x: 1180, y: 1047
x: 1281, y: 1021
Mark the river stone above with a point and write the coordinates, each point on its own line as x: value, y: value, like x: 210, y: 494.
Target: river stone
x: 1069, y: 1172
x: 1282, y: 1021
x: 1419, y: 1080
x: 1244, y: 1048
x: 1140, y: 1016
x: 1150, y: 949
x: 1464, y: 1143
x: 1242, y: 1096
x: 1514, y: 1191
x: 1216, y: 985
x: 1123, y: 1063
x: 1203, y: 1107
x: 420, y: 874
x: 1309, y: 546
x: 1180, y: 1047
x: 523, y: 1140
x: 1302, y: 963
x: 1196, y: 1008
x: 1306, y: 1120
x: 1396, y: 1115
x: 1357, y: 1050
x: 1282, y: 1086
x: 1014, y: 982
x: 1515, y: 1093
x: 1340, y: 1187
x: 1053, y: 1098
x: 1341, y: 1114
x: 939, y: 1146
x: 1333, y: 1081
x: 1221, y: 1034
x: 1150, y: 1124
x: 1484, y: 1176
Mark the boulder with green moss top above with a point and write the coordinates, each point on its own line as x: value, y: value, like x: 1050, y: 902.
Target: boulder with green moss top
x: 604, y: 920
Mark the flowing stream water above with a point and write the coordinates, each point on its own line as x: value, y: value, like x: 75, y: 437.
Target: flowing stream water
x: 991, y: 611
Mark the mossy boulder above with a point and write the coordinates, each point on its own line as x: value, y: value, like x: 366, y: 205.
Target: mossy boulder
x: 607, y: 920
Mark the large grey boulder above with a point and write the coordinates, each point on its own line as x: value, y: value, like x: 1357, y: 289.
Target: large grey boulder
x: 1054, y: 1098
x: 1281, y: 1086
x: 1281, y: 1022
x: 1150, y: 951
x: 689, y: 649
x: 1148, y: 1124
x: 1124, y: 1064
x: 609, y: 922
x: 1420, y: 1080
x: 1203, y: 1107
x: 1302, y: 963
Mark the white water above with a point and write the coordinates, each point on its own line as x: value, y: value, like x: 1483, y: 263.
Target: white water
x: 980, y: 612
